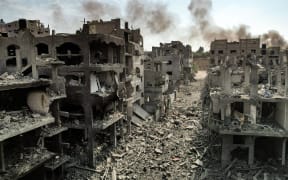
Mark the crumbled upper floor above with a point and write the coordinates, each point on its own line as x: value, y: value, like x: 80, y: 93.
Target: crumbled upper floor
x: 14, y: 123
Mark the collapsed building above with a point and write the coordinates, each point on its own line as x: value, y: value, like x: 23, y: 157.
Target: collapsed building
x: 165, y: 68
x: 30, y: 127
x: 101, y: 69
x: 12, y: 29
x: 248, y: 100
x: 177, y: 61
x: 63, y: 95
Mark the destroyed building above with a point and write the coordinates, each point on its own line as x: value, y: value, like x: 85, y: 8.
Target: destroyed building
x: 248, y: 100
x: 102, y: 71
x: 76, y: 91
x: 177, y: 62
x: 156, y: 86
x: 103, y: 68
x: 30, y: 127
x: 12, y: 29
x: 165, y: 68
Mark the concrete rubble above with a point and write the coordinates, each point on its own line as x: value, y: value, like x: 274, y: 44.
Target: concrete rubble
x: 94, y: 105
x: 74, y: 97
x: 171, y: 148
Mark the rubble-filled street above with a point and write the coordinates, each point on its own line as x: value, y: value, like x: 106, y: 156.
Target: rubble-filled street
x: 178, y: 146
x: 132, y: 90
x: 171, y: 148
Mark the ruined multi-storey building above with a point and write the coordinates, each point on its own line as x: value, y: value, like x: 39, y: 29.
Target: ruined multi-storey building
x: 102, y: 71
x: 177, y: 61
x: 30, y: 127
x: 165, y: 67
x: 76, y: 90
x: 12, y: 29
x: 248, y: 100
x: 156, y: 86
x: 133, y: 60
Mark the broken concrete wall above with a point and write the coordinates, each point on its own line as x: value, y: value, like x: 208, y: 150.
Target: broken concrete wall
x: 16, y: 53
x: 281, y: 114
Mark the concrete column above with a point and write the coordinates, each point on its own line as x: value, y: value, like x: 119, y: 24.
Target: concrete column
x: 226, y: 79
x: 110, y: 54
x: 55, y: 110
x: 89, y: 126
x: 2, y: 157
x: 85, y: 51
x: 269, y: 76
x: 278, y: 80
x: 253, y: 82
x: 283, y: 158
x: 122, y: 55
x: 228, y: 113
x: 114, y: 134
x: 129, y: 115
x: 253, y: 113
x: 286, y: 80
x: 227, y: 142
x: 54, y: 73
x: 250, y: 141
x: 222, y: 113
x: 18, y: 60
x: 33, y: 63
x: 88, y: 117
x: 121, y: 128
x: 247, y: 72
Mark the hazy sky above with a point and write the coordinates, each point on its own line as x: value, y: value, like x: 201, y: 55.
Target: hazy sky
x: 67, y: 16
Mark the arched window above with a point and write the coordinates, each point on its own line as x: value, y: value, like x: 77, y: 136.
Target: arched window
x: 11, y: 50
x: 42, y: 49
x: 69, y: 53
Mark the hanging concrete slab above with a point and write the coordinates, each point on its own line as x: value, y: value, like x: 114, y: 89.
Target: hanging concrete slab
x: 139, y: 111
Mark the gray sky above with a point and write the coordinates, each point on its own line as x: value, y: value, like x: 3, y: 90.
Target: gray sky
x: 67, y: 16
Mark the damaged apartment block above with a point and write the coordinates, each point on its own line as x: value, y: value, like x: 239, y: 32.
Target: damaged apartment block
x: 30, y: 127
x: 67, y: 98
x: 248, y: 100
x: 166, y: 67
x: 104, y: 81
x: 101, y: 67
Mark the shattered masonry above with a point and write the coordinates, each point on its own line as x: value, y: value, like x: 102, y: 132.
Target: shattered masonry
x: 61, y: 95
x: 248, y: 100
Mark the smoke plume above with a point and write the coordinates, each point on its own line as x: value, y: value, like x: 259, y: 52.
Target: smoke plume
x: 58, y: 16
x: 96, y: 9
x: 206, y: 28
x: 273, y: 38
x: 57, y: 12
x: 154, y: 15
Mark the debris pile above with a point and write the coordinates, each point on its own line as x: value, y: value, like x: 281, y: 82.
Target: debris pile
x: 176, y: 146
x: 15, y: 120
x: 14, y: 78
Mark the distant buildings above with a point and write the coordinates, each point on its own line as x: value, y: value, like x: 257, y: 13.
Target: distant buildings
x: 248, y: 100
x: 12, y: 29
x: 165, y: 67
